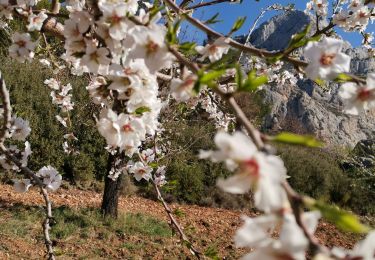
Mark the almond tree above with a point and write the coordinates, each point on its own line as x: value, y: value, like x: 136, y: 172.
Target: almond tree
x: 131, y: 53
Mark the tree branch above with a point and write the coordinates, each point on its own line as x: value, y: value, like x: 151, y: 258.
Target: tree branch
x: 4, y: 93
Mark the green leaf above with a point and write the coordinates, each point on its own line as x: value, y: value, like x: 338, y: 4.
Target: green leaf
x: 238, y: 24
x: 153, y: 165
x: 171, y: 35
x: 299, y: 39
x: 275, y: 58
x: 210, y: 76
x: 295, y: 139
x: 238, y: 77
x: 213, y: 19
x: 342, y: 77
x: 342, y: 219
x: 253, y: 82
x: 223, y: 63
x: 187, y: 46
x: 319, y: 82
x: 139, y: 111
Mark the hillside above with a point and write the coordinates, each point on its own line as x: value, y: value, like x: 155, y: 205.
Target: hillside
x: 140, y: 233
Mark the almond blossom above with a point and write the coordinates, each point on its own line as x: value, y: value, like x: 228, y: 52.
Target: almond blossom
x: 115, y: 17
x: 214, y: 51
x: 20, y: 129
x: 255, y: 170
x: 150, y: 46
x: 358, y: 98
x: 6, y: 9
x: 182, y: 90
x: 141, y: 171
x: 326, y: 60
x: 291, y: 244
x: 36, y: 21
x: 96, y: 59
x: 22, y: 48
x: 123, y: 131
x: 51, y: 178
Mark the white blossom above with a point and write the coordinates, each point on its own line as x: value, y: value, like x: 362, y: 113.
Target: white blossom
x: 22, y: 48
x: 52, y: 83
x: 141, y: 171
x: 182, y: 90
x: 150, y: 46
x: 326, y: 60
x: 20, y: 129
x: 51, y: 178
x: 292, y: 242
x: 264, y: 173
x: 215, y: 50
x: 36, y: 21
x: 358, y: 98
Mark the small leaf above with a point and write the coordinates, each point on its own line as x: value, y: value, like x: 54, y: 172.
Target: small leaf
x: 295, y: 139
x: 342, y: 77
x: 213, y: 19
x: 319, y: 82
x: 153, y: 165
x: 210, y: 76
x: 275, y: 58
x: 253, y: 82
x: 238, y: 24
x: 187, y: 46
x: 298, y: 37
x: 238, y: 77
x: 342, y: 219
x: 141, y: 110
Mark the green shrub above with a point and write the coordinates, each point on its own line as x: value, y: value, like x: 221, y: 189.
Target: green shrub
x: 30, y: 99
x: 315, y: 173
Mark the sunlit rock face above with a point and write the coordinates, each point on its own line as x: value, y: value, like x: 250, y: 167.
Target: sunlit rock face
x: 305, y: 107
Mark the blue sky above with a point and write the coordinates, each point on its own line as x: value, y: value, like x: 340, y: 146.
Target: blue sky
x: 250, y: 8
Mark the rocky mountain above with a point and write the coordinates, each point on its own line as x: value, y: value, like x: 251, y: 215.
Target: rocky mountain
x: 305, y: 107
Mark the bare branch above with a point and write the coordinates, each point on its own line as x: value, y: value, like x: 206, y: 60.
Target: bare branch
x: 7, y: 110
x: 214, y: 2
x: 169, y: 212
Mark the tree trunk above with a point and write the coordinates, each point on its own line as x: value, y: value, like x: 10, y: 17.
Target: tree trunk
x: 112, y: 190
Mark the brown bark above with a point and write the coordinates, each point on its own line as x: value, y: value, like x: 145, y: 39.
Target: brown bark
x: 112, y: 190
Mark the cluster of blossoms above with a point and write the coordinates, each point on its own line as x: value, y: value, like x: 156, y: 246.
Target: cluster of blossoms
x: 50, y: 177
x: 355, y: 16
x: 326, y: 61
x: 140, y: 169
x: 60, y: 96
x: 19, y: 130
x: 63, y: 100
x: 123, y: 57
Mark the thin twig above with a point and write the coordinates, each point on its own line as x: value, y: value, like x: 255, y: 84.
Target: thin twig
x: 175, y: 223
x: 214, y: 2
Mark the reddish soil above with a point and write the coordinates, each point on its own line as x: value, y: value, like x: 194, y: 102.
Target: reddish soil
x: 206, y: 226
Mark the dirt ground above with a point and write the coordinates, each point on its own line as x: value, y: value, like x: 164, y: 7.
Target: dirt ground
x: 206, y: 227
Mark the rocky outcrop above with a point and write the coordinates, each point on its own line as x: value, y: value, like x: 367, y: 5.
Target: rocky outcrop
x: 305, y: 107
x: 275, y: 34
